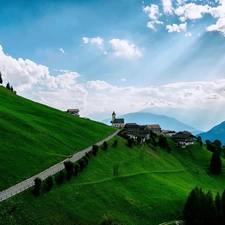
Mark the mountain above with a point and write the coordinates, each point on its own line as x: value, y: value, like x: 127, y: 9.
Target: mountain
x: 166, y: 123
x: 217, y: 132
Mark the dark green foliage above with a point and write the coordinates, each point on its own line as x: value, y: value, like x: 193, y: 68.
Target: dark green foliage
x: 76, y: 169
x: 130, y: 142
x: 199, y: 208
x: 82, y: 164
x: 215, y: 163
x: 69, y: 169
x: 11, y: 88
x: 199, y: 138
x: 37, y: 186
x: 105, y: 145
x: 8, y: 86
x: 162, y: 141
x: 201, y: 143
x: 223, y: 205
x: 86, y: 159
x: 218, y: 204
x: 88, y: 154
x: 61, y: 176
x: 49, y: 182
x: 109, y: 220
x: 1, y: 80
x: 115, y: 143
x: 169, y: 149
x: 94, y: 150
x: 138, y: 139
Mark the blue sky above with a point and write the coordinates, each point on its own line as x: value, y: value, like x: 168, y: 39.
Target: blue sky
x: 125, y: 55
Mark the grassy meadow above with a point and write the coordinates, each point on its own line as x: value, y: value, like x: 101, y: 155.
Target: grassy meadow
x: 151, y: 187
x: 35, y: 137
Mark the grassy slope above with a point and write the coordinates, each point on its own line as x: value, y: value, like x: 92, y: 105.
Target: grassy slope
x: 151, y: 188
x: 35, y: 137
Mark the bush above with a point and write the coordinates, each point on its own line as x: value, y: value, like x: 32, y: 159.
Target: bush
x: 162, y: 141
x: 115, y: 143
x: 94, y: 150
x: 82, y: 164
x: 61, y: 176
x: 49, y: 182
x: 105, y: 145
x: 76, y: 169
x: 37, y: 186
x: 69, y: 166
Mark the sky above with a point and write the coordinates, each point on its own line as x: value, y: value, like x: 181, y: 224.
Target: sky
x: 162, y: 56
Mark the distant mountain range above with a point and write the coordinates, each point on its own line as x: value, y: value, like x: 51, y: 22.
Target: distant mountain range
x: 165, y: 122
x: 217, y: 132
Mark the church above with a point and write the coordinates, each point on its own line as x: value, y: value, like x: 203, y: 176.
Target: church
x: 118, y: 123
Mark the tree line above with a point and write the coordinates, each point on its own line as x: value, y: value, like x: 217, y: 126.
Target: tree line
x: 201, y: 208
x: 8, y: 86
x: 71, y: 169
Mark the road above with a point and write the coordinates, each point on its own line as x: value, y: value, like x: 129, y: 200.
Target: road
x: 50, y: 171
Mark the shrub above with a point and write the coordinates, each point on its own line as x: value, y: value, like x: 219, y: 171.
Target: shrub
x: 76, y: 169
x: 105, y: 145
x: 37, y: 186
x: 115, y: 143
x: 82, y: 164
x: 49, y: 182
x: 61, y: 176
x: 94, y: 149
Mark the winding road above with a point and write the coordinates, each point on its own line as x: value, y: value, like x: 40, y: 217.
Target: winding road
x: 50, y: 171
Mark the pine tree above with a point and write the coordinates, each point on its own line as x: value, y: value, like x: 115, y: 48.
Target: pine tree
x: 215, y: 163
x: 218, y: 204
x: 1, y: 81
x: 8, y: 86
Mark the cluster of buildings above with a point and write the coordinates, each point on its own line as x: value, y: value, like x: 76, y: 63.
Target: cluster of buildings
x: 183, y: 138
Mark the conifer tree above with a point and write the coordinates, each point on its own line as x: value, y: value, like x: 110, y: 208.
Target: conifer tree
x: 1, y: 81
x: 215, y: 163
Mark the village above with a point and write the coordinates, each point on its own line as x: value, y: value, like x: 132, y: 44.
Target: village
x: 134, y: 130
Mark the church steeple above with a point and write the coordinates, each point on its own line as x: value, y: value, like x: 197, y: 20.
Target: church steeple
x: 113, y: 116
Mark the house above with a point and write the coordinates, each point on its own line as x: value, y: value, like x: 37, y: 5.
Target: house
x: 169, y: 133
x: 74, y: 112
x: 117, y: 122
x: 144, y: 135
x: 155, y: 128
x: 131, y: 127
x: 184, y: 138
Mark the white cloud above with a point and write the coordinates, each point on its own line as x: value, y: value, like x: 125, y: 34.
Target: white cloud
x: 98, y: 85
x: 152, y: 23
x: 219, y: 26
x: 191, y: 11
x: 122, y: 48
x: 95, y: 40
x: 62, y: 50
x: 167, y: 6
x: 153, y: 11
x: 176, y: 28
x: 188, y: 34
x: 123, y: 79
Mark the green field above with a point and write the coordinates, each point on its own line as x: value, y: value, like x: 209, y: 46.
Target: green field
x: 35, y: 137
x: 151, y: 187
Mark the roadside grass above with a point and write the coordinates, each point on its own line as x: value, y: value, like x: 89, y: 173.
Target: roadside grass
x: 34, y: 137
x: 147, y: 189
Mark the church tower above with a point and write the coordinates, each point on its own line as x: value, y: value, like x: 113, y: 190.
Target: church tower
x: 113, y: 116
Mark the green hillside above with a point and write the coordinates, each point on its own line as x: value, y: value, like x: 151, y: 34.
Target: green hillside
x: 35, y: 137
x: 151, y: 187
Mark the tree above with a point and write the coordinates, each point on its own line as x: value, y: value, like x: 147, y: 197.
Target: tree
x: 169, y: 149
x: 94, y: 149
x: 130, y: 142
x: 215, y: 163
x: 69, y: 169
x: 76, y: 169
x: 162, y: 141
x: 37, y: 186
x: 115, y: 143
x: 49, y: 182
x: 1, y: 81
x: 82, y: 164
x: 8, y: 86
x: 105, y: 145
x: 61, y: 176
x: 192, y: 208
x: 218, y: 204
x: 223, y: 205
x: 11, y: 89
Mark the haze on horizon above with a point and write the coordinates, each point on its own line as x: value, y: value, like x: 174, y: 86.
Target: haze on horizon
x: 166, y: 57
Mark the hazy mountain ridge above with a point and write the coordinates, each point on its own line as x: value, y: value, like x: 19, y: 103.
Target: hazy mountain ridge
x: 166, y: 123
x: 217, y: 132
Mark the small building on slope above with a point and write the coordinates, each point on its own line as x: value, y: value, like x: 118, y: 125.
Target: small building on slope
x: 117, y: 122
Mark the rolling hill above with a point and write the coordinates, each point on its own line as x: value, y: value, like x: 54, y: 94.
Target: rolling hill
x: 217, y: 132
x: 35, y: 137
x: 150, y: 187
x: 166, y: 123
